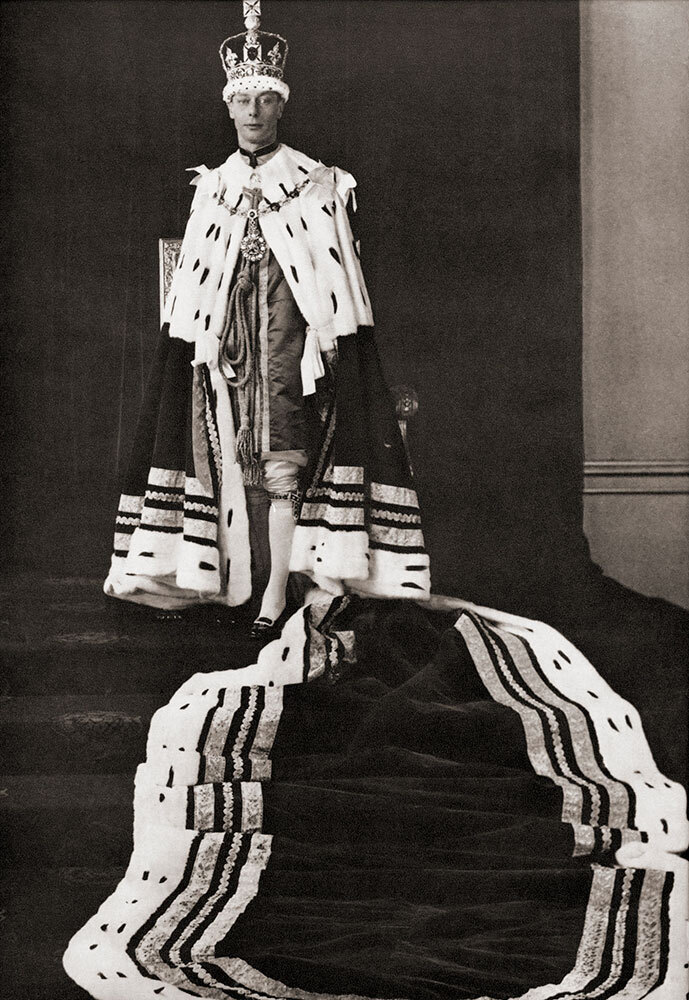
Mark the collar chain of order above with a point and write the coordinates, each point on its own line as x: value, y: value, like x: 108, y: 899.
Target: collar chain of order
x: 266, y: 206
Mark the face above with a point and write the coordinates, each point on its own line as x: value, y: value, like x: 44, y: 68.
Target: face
x: 256, y: 117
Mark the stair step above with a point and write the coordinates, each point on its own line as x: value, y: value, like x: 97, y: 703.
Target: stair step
x: 73, y: 639
x: 48, y: 734
x: 66, y: 820
x: 41, y: 909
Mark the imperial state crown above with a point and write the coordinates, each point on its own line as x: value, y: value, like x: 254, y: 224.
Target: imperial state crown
x: 254, y: 60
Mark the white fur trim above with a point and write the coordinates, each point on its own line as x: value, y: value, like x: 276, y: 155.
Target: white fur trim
x: 310, y: 237
x: 251, y: 84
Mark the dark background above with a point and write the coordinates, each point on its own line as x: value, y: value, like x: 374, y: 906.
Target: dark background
x: 460, y: 121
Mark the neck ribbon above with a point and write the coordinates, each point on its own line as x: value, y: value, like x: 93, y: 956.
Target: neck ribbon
x: 253, y: 155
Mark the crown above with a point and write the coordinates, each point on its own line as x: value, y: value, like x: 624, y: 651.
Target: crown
x: 254, y: 60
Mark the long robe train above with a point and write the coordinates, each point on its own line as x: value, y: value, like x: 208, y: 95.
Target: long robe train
x: 396, y: 804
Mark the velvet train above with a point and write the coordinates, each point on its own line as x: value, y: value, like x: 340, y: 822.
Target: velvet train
x: 397, y: 803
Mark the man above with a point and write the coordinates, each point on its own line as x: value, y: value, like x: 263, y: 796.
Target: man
x: 268, y: 281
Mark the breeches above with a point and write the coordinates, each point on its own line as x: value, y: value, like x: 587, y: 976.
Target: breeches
x: 281, y: 475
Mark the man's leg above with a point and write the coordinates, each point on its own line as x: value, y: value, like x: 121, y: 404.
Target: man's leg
x: 280, y: 480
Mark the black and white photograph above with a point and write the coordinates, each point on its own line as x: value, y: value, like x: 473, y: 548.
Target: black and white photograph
x: 345, y: 590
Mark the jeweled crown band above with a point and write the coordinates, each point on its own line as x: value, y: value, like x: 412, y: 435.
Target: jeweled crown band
x: 260, y: 70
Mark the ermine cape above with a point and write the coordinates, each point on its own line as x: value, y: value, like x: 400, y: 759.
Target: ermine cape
x: 182, y: 527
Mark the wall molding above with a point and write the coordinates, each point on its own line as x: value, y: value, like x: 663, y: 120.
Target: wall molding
x: 636, y: 476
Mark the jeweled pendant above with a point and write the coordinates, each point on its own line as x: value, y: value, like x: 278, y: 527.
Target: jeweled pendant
x: 253, y: 246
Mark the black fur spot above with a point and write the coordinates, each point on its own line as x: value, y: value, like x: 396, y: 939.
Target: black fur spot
x: 288, y: 228
x: 217, y: 232
x: 197, y: 314
x: 207, y: 322
x: 334, y: 298
x: 149, y: 555
x: 284, y: 189
x: 144, y: 877
x: 210, y: 230
x: 162, y: 879
x: 304, y: 224
x: 121, y: 928
x: 229, y: 518
x: 161, y: 797
x: 285, y: 653
x: 294, y: 272
x: 104, y: 927
x: 326, y: 210
x: 335, y: 255
x: 196, y: 264
x: 205, y: 565
x: 303, y: 170
x: 204, y: 276
x: 612, y: 725
x: 174, y: 303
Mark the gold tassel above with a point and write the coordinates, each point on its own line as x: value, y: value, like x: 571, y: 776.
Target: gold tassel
x: 246, y: 456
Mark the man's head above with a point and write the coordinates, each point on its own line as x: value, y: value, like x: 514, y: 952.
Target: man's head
x: 256, y: 115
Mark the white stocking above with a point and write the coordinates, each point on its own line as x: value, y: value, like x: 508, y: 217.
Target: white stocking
x: 280, y: 533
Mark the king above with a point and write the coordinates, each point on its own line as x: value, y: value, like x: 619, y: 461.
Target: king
x: 266, y: 377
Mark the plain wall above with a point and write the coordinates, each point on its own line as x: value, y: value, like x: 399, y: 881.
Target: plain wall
x: 635, y: 234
